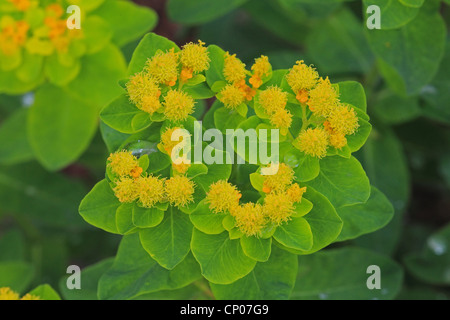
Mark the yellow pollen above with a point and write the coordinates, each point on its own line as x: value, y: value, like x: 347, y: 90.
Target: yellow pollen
x: 186, y: 74
x: 295, y: 193
x: 278, y: 208
x: 272, y: 99
x: 261, y: 68
x: 178, y: 105
x: 302, y: 96
x: 302, y: 77
x: 323, y: 99
x: 231, y: 96
x: 280, y: 181
x: 123, y: 163
x: 195, y: 57
x: 233, y: 70
x: 281, y: 119
x: 179, y: 191
x: 163, y: 67
x: 343, y: 120
x: 126, y: 190
x: 250, y: 218
x: 144, y: 92
x: 8, y: 294
x: 21, y: 5
x: 313, y: 142
x: 150, y: 191
x: 338, y: 140
x: 30, y: 297
x: 223, y: 197
x: 166, y: 140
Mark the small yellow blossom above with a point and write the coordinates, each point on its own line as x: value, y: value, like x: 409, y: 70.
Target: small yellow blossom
x: 343, y: 120
x: 123, y: 163
x: 54, y: 10
x: 179, y: 191
x: 150, y: 190
x: 313, y: 142
x: 337, y: 140
x: 281, y: 119
x: 166, y: 140
x: 323, y: 99
x: 233, y: 70
x: 261, y: 69
x: 163, y: 67
x: 195, y: 57
x: 278, y: 208
x: 126, y: 190
x: 181, y: 168
x: 30, y: 297
x: 272, y: 99
x: 302, y: 77
x: 144, y: 92
x: 8, y: 294
x: 280, y: 181
x: 231, y: 96
x: 178, y: 105
x: 223, y: 197
x: 21, y: 5
x: 295, y: 193
x: 13, y: 36
x: 250, y: 219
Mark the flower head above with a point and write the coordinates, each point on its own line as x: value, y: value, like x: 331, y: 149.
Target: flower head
x: 343, y: 120
x: 323, y: 99
x: 302, y: 77
x: 144, y: 92
x: 295, y: 193
x: 8, y: 294
x: 278, y: 208
x: 13, y: 35
x: 150, y: 190
x: 195, y: 57
x: 178, y: 105
x: 231, y: 96
x: 280, y: 181
x: 21, y: 5
x: 163, y: 67
x: 313, y: 142
x: 233, y: 70
x: 123, y: 163
x: 260, y: 69
x: 126, y: 190
x: 281, y: 119
x: 272, y: 99
x: 30, y: 297
x: 223, y: 197
x: 249, y: 218
x: 179, y: 191
x: 337, y: 140
x: 166, y: 140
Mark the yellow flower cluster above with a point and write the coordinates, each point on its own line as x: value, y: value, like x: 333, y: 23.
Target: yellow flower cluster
x: 167, y: 146
x: 13, y: 35
x: 179, y: 191
x: 261, y: 68
x: 223, y: 197
x: 334, y: 120
x: 124, y: 164
x: 166, y: 69
x: 274, y: 101
x: 8, y: 294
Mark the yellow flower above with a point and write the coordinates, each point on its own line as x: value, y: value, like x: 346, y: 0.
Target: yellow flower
x: 123, y: 163
x: 278, y: 208
x: 295, y: 193
x: 281, y: 119
x: 178, y: 105
x: 231, y: 96
x: 144, y: 92
x: 163, y: 67
x: 30, y: 297
x: 338, y: 140
x: 323, y: 98
x: 150, y: 190
x: 302, y: 77
x: 233, y: 70
x: 195, y: 57
x: 126, y: 190
x: 313, y: 142
x: 8, y: 294
x: 13, y: 35
x: 343, y: 120
x: 261, y: 69
x: 250, y: 218
x: 21, y: 5
x: 166, y: 140
x: 179, y: 191
x: 280, y: 181
x: 223, y: 197
x: 181, y: 168
x: 272, y: 99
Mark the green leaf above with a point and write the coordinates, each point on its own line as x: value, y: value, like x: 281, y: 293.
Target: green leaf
x: 127, y: 20
x: 147, y: 49
x: 16, y: 275
x: 206, y: 221
x: 306, y: 168
x: 200, y: 11
x: 392, y: 109
x: 97, y: 33
x: 124, y: 218
x: 60, y: 127
x: 352, y: 92
x: 168, y: 243
x: 257, y: 248
x: 414, y: 51
x: 147, y: 218
x: 221, y: 260
x: 14, y: 145
x: 431, y: 264
x: 45, y: 292
x: 394, y: 14
x: 90, y: 277
x: 413, y: 3
x: 214, y: 75
x: 271, y: 280
x: 364, y: 218
x: 342, y: 181
x: 227, y: 119
x: 135, y: 273
x: 99, y: 207
x: 12, y: 246
x: 216, y: 172
x: 295, y: 234
x: 341, y: 274
x: 59, y: 74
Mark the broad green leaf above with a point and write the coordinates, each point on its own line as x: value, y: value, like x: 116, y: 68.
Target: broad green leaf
x: 431, y: 265
x: 341, y: 274
x: 14, y: 145
x: 16, y: 275
x: 214, y: 75
x: 11, y: 84
x: 257, y: 248
x: 352, y: 93
x: 127, y: 20
x: 306, y: 168
x: 12, y: 246
x: 216, y: 172
x: 168, y: 242
x: 60, y: 127
x: 393, y: 13
x: 364, y: 218
x: 97, y: 33
x: 135, y: 273
x: 221, y: 260
x: 271, y: 280
x: 88, y: 5
x: 124, y: 218
x: 200, y: 11
x: 413, y: 3
x: 414, y: 51
x: 227, y: 119
x: 295, y: 234
x: 99, y: 207
x: 342, y: 181
x: 45, y: 292
x: 59, y: 74
x: 146, y: 218
x: 207, y: 221
x: 392, y: 109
